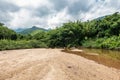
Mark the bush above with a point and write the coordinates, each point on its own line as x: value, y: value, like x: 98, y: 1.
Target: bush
x: 105, y: 43
x: 22, y: 44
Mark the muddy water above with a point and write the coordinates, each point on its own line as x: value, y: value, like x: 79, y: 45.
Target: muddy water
x: 106, y: 57
x: 107, y: 53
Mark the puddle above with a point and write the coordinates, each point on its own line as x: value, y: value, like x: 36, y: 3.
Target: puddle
x: 100, y: 56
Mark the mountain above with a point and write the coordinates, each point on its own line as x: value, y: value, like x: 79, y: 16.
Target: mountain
x: 19, y: 30
x: 30, y: 30
x: 100, y: 18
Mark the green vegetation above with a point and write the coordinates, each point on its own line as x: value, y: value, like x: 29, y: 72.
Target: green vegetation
x: 6, y: 33
x: 22, y: 44
x: 11, y: 40
x: 98, y: 33
x: 69, y: 35
x: 104, y: 43
x: 32, y: 30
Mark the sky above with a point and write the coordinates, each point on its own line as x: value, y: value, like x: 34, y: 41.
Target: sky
x: 53, y: 13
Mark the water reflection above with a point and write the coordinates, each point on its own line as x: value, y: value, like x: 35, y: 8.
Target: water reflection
x: 106, y: 57
x: 107, y: 53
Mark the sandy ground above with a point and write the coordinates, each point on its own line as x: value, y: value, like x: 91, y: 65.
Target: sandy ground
x: 51, y: 64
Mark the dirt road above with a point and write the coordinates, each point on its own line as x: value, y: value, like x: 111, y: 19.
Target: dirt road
x: 51, y: 64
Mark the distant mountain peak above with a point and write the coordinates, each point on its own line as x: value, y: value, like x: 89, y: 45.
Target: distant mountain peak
x: 34, y: 27
x: 30, y: 30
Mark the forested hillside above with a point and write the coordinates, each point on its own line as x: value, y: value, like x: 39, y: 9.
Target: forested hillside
x: 102, y: 33
x: 98, y: 33
x: 33, y: 30
x: 6, y: 33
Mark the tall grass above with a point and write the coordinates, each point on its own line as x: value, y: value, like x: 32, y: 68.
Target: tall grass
x: 105, y: 43
x: 21, y: 44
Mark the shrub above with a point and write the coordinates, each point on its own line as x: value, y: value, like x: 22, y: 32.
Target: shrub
x: 105, y: 43
x: 22, y: 44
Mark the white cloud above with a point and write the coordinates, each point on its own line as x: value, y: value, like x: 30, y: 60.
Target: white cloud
x: 52, y: 13
x: 22, y: 19
x: 102, y: 8
x: 30, y: 3
x: 59, y: 18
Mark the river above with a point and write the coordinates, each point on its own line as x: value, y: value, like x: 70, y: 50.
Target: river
x: 108, y: 58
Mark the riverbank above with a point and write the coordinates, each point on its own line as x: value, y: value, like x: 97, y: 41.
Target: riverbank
x: 105, y: 57
x: 51, y: 64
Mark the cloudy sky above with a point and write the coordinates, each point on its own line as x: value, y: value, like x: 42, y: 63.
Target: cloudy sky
x: 51, y: 13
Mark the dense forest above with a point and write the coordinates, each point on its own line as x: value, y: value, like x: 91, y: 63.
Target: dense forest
x: 98, y: 33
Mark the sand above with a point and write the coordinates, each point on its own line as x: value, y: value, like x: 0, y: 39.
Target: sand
x: 51, y: 64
